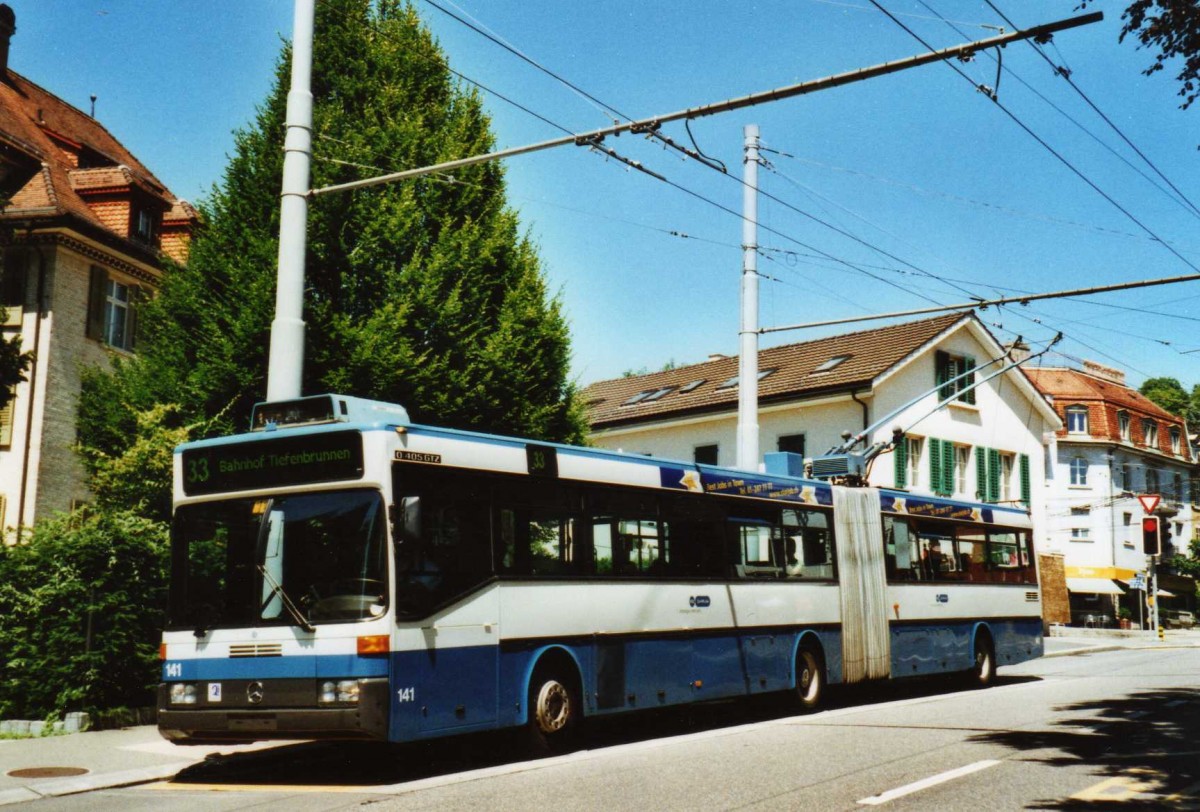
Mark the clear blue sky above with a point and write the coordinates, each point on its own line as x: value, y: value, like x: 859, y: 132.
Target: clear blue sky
x: 918, y: 164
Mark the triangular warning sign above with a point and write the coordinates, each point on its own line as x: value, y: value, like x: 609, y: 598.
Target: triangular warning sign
x: 1149, y: 501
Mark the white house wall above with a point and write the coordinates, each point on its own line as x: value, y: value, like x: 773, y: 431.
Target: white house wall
x: 1007, y: 416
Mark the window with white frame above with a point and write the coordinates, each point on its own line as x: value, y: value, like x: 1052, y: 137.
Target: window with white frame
x: 1081, y: 534
x: 1176, y: 437
x: 1006, y: 477
x: 914, y: 461
x: 1077, y: 419
x: 1150, y: 433
x: 1079, y: 471
x: 962, y: 464
x: 112, y: 310
x: 1123, y: 425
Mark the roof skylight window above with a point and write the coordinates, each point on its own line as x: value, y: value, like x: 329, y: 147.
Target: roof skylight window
x: 639, y: 397
x: 693, y: 386
x: 658, y: 393
x: 732, y: 382
x: 832, y: 363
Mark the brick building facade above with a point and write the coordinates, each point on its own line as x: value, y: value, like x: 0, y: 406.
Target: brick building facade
x: 82, y: 242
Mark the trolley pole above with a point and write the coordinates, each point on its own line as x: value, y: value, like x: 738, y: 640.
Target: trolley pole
x: 747, y: 423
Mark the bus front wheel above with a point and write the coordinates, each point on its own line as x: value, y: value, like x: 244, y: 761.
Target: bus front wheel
x: 555, y: 710
x: 810, y: 679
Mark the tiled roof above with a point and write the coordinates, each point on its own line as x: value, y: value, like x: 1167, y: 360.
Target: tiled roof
x: 48, y: 128
x: 181, y: 211
x: 699, y: 387
x: 1105, y: 399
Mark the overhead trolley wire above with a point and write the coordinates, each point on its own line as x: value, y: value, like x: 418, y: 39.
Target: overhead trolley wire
x: 1174, y: 198
x: 1066, y: 76
x: 1029, y: 131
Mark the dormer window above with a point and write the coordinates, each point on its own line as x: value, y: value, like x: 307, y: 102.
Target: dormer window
x: 1176, y: 438
x: 144, y: 226
x: 1123, y: 425
x: 1077, y: 420
x: 1150, y: 433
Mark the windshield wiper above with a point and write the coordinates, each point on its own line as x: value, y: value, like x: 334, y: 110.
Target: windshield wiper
x: 277, y: 589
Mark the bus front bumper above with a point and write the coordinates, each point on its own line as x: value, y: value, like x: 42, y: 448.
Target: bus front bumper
x: 366, y: 719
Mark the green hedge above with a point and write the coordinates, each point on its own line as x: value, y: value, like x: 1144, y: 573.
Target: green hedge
x: 81, y: 613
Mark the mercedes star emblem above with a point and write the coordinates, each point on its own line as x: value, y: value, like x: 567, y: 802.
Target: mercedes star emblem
x: 254, y: 692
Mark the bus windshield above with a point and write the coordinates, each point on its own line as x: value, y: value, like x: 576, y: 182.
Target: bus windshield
x: 299, y: 559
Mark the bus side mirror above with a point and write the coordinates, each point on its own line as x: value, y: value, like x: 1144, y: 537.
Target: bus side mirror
x: 410, y: 518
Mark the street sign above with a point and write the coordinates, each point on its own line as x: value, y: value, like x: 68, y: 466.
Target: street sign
x: 1137, y: 582
x: 1149, y: 501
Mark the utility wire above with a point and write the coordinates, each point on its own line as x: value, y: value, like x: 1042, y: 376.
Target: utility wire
x: 1016, y: 120
x: 1057, y: 69
x: 1066, y: 75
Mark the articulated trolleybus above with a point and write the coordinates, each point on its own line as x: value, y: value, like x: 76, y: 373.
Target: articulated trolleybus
x: 339, y: 572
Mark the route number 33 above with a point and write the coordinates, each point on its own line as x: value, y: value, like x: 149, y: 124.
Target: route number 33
x: 197, y: 470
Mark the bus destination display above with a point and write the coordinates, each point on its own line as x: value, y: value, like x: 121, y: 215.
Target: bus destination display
x: 271, y: 463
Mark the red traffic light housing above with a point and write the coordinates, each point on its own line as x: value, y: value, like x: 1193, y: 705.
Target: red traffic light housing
x: 1151, y: 540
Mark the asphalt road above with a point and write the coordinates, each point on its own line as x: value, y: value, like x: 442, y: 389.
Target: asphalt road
x: 1062, y: 733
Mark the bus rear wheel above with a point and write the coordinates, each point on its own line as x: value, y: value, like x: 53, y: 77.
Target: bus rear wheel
x: 555, y: 711
x: 983, y: 667
x: 810, y: 679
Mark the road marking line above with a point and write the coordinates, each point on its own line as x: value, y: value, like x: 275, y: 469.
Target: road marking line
x: 926, y: 783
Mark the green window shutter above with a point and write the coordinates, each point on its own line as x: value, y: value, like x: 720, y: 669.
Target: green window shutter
x: 941, y: 374
x: 948, y: 468
x: 981, y: 473
x: 935, y: 465
x: 96, y: 297
x: 968, y: 366
x: 1026, y: 491
x: 993, y: 475
x: 900, y: 456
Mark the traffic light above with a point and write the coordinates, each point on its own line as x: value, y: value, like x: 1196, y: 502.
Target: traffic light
x: 1151, y: 543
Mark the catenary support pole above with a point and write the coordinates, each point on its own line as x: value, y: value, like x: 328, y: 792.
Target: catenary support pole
x: 286, y: 363
x: 747, y: 422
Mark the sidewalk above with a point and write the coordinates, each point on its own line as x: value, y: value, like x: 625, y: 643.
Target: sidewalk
x: 1067, y: 640
x: 107, y: 758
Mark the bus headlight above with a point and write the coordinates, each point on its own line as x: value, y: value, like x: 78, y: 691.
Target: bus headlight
x: 183, y: 693
x: 341, y: 691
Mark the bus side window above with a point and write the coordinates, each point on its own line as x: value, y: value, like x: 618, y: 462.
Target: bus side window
x: 899, y: 550
x: 808, y: 545
x: 936, y: 555
x: 971, y: 544
x: 602, y: 545
x: 758, y: 548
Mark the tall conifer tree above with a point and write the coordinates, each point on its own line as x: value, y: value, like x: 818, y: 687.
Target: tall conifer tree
x: 424, y: 293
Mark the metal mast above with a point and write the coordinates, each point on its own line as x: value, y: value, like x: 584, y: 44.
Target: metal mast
x: 747, y: 423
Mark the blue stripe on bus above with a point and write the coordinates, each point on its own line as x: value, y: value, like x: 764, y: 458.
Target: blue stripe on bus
x: 292, y: 666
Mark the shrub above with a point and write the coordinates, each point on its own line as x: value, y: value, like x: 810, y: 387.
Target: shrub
x: 81, y: 609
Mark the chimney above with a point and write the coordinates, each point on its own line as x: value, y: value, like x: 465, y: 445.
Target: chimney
x: 8, y: 27
x: 1017, y: 350
x: 1106, y: 373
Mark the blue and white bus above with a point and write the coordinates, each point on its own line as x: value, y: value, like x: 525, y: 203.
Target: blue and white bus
x: 339, y: 572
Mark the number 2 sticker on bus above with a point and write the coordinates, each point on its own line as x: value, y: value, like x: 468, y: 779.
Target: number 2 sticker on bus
x: 214, y: 692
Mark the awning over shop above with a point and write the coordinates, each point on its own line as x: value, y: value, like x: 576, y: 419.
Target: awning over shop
x: 1162, y: 593
x: 1094, y: 586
